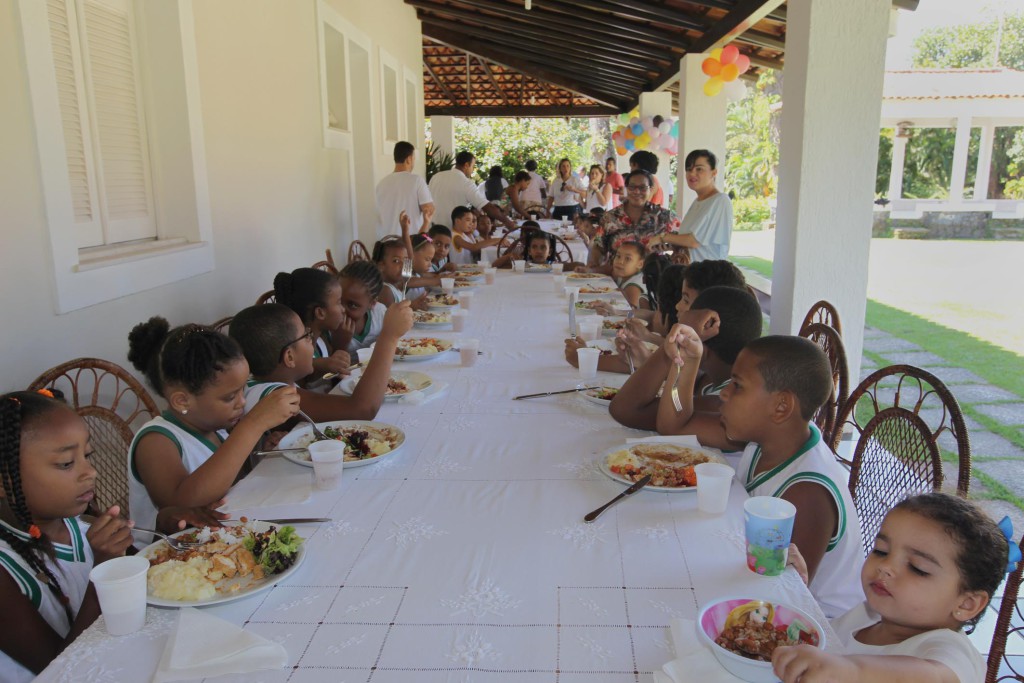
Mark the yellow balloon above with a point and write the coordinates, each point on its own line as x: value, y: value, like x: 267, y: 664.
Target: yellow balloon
x: 713, y: 86
x: 717, y: 54
x: 729, y: 72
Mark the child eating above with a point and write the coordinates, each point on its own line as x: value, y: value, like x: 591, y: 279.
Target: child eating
x: 466, y: 245
x: 315, y: 296
x: 361, y: 283
x: 442, y: 237
x: 626, y: 267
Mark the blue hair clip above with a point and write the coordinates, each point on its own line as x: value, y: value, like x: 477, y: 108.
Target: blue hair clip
x: 1006, y: 526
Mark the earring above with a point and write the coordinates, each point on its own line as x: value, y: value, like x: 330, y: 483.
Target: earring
x: 184, y: 411
x: 956, y: 614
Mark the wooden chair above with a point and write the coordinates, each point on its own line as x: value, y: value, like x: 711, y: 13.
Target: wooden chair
x: 825, y: 313
x: 113, y: 404
x: 832, y: 344
x: 357, y: 252
x: 222, y: 324
x: 898, y: 414
x: 330, y: 259
x: 563, y: 254
x: 267, y: 298
x: 1005, y: 628
x: 325, y: 266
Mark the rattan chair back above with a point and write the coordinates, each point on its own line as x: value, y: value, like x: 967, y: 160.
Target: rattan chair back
x: 267, y: 298
x: 1009, y: 622
x: 357, y: 252
x: 825, y: 313
x: 222, y: 324
x: 832, y: 344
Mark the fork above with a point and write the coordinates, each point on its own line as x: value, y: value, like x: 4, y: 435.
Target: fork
x: 675, y: 390
x: 406, y: 274
x: 173, y: 542
x: 629, y: 354
x: 317, y: 434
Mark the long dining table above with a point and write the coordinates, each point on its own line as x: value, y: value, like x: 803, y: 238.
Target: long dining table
x: 464, y: 555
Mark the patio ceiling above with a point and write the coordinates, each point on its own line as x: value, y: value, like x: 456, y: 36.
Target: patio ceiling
x: 580, y: 57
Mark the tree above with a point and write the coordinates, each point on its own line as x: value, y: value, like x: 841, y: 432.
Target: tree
x: 752, y: 146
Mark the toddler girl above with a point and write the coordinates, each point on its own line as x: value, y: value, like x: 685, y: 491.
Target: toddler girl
x: 537, y: 246
x: 315, y: 296
x: 184, y: 457
x: 626, y: 271
x: 936, y: 562
x: 361, y: 284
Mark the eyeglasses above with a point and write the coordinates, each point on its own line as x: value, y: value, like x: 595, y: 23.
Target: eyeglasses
x: 637, y: 188
x: 307, y: 335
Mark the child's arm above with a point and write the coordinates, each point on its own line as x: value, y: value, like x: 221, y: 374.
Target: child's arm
x: 816, y: 519
x: 636, y: 404
x: 605, y: 363
x: 433, y: 280
x: 632, y: 295
x: 404, y: 221
x: 475, y: 247
x: 810, y: 664
x: 170, y: 484
x: 337, y: 362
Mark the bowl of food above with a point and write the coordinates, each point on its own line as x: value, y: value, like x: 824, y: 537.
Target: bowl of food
x: 743, y: 633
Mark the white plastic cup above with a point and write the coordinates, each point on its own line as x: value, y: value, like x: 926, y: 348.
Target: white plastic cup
x: 519, y: 265
x: 713, y: 483
x: 587, y: 360
x: 466, y: 300
x: 121, y: 589
x: 533, y: 217
x: 459, y: 319
x: 468, y: 349
x: 364, y: 355
x: 565, y: 222
x: 328, y: 462
x: 589, y: 327
x: 572, y: 293
x: 559, y: 284
x: 448, y: 284
x: 556, y: 268
x: 489, y: 274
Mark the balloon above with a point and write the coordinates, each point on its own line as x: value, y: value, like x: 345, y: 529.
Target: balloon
x: 643, y: 141
x: 621, y: 151
x: 665, y: 128
x: 716, y: 54
x: 628, y: 135
x: 743, y: 63
x: 648, y: 121
x: 713, y: 86
x: 710, y: 66
x: 735, y: 90
x: 624, y: 118
x: 633, y: 121
x: 616, y: 136
x: 638, y: 129
x: 729, y: 73
x: 675, y: 129
x: 630, y: 145
x: 729, y: 54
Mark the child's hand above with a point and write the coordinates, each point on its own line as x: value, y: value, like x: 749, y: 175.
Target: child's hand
x: 271, y: 440
x: 625, y: 339
x: 171, y: 520
x: 571, y: 347
x: 405, y: 222
x: 343, y: 334
x: 275, y: 408
x: 603, y: 308
x: 810, y: 664
x: 336, y: 362
x: 450, y: 268
x: 798, y: 562
x: 110, y: 535
x: 420, y: 302
x: 683, y: 344
x: 398, y: 320
x: 582, y: 269
x: 704, y: 321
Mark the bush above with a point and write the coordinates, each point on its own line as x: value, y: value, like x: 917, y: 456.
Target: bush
x: 750, y: 213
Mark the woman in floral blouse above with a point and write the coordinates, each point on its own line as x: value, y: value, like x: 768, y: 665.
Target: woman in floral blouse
x: 635, y: 220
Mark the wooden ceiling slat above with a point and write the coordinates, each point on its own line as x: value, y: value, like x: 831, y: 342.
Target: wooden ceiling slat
x: 660, y: 13
x: 525, y: 110
x: 440, y: 84
x: 497, y: 87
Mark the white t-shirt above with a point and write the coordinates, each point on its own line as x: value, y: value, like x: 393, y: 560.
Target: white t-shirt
x: 450, y: 189
x: 532, y: 193
x: 398, y: 192
x: 366, y: 336
x: 565, y: 192
x: 710, y: 221
x: 595, y: 200
x: 483, y: 188
x: 951, y: 648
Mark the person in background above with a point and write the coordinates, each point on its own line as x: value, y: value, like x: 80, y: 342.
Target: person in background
x: 455, y: 188
x: 403, y: 190
x: 706, y: 229
x: 535, y: 197
x: 566, y: 192
x: 599, y: 193
x: 494, y: 186
x: 615, y: 179
x: 515, y: 193
x: 648, y: 161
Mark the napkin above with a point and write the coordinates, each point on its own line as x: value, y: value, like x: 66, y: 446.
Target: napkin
x: 257, y: 491
x: 693, y: 661
x: 423, y: 395
x: 202, y: 645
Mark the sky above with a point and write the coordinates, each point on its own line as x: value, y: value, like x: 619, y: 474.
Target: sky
x: 936, y: 13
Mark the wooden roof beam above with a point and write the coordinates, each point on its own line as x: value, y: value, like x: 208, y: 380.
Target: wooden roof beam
x: 494, y: 81
x: 660, y: 13
x: 440, y: 84
x: 537, y: 110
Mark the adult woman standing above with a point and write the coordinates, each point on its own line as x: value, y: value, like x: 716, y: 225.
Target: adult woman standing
x: 636, y: 219
x: 706, y: 228
x: 566, y: 190
x: 599, y: 193
x: 515, y: 191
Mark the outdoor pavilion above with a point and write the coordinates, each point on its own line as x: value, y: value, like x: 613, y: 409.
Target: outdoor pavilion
x: 604, y: 57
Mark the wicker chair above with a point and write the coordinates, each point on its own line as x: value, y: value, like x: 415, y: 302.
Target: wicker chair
x: 832, y: 344
x: 325, y: 266
x: 222, y: 324
x: 330, y: 259
x: 357, y: 252
x: 898, y: 414
x: 825, y: 313
x: 113, y: 404
x: 1004, y: 628
x: 267, y: 298
x: 562, y: 252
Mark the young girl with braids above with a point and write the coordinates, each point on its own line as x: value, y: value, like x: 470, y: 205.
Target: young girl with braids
x: 185, y: 457
x: 361, y: 284
x: 315, y: 296
x: 390, y: 254
x: 46, y: 552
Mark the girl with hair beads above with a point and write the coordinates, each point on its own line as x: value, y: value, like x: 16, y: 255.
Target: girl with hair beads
x: 46, y: 552
x: 184, y: 457
x: 316, y: 297
x: 935, y: 565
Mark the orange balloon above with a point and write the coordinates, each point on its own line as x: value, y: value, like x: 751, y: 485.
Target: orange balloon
x: 729, y: 54
x: 621, y: 151
x: 729, y: 73
x: 711, y: 66
x: 629, y: 134
x: 713, y: 86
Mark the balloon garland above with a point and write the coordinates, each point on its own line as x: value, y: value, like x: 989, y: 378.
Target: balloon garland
x: 725, y: 65
x: 635, y: 134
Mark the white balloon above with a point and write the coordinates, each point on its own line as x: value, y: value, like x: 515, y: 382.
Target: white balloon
x: 735, y: 90
x: 665, y: 128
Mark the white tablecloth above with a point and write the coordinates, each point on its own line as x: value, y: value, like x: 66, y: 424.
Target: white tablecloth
x: 464, y: 556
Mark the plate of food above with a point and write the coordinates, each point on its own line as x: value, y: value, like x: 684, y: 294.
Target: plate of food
x: 230, y: 563
x: 432, y: 319
x: 465, y: 285
x: 586, y: 276
x: 670, y: 465
x: 538, y: 268
x: 595, y: 305
x: 596, y: 291
x: 613, y: 324
x: 469, y: 268
x: 602, y: 396
x: 367, y: 442
x: 467, y: 276
x: 415, y: 349
x: 442, y: 301
x: 399, y: 384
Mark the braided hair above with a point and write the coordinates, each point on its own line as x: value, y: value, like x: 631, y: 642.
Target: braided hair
x: 303, y: 290
x: 189, y: 356
x: 654, y: 265
x: 383, y: 246
x: 670, y: 291
x: 19, y: 410
x: 365, y: 272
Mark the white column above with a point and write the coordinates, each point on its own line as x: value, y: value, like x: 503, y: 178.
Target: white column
x: 827, y: 162
x: 959, y: 174
x: 659, y: 104
x: 899, y: 157
x: 442, y: 133
x: 701, y: 124
x: 984, y: 161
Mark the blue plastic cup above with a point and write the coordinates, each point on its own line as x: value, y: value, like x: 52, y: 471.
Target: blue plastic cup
x: 768, y: 523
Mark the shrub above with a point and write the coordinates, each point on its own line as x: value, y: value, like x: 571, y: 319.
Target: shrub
x: 750, y: 213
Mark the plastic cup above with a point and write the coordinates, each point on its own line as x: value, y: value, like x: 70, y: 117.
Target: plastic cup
x: 565, y: 221
x: 556, y: 268
x: 768, y: 523
x: 519, y: 265
x: 713, y: 483
x: 466, y: 300
x: 364, y: 355
x: 587, y: 361
x: 328, y: 462
x: 489, y: 274
x: 589, y: 328
x: 448, y: 284
x: 121, y: 589
x: 459, y: 319
x: 572, y: 293
x: 559, y: 283
x: 468, y: 352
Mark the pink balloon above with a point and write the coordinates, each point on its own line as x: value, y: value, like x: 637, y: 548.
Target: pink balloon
x: 729, y: 54
x: 743, y: 63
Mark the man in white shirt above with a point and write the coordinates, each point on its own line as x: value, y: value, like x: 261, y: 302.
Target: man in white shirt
x: 456, y: 188
x: 537, y: 191
x: 401, y: 191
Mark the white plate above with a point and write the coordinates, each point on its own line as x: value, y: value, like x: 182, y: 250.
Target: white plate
x: 442, y: 307
x: 473, y: 277
x: 595, y: 400
x: 302, y: 436
x: 586, y: 277
x: 587, y: 296
x: 422, y: 357
x: 469, y: 268
x: 431, y: 326
x: 602, y: 464
x: 418, y: 381
x: 537, y: 268
x: 259, y: 586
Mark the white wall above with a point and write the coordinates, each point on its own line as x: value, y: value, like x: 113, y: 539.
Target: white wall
x: 272, y: 200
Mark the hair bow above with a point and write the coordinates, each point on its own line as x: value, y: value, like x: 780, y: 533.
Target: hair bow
x: 1006, y: 526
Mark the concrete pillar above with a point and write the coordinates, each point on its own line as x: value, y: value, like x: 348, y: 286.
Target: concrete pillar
x: 827, y: 162
x: 959, y: 174
x: 984, y: 161
x: 442, y: 133
x: 899, y: 157
x: 701, y: 124
x: 659, y: 104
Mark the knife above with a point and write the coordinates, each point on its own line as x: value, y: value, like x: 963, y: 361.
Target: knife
x: 287, y: 520
x: 552, y: 393
x: 628, y: 492
x: 572, y: 316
